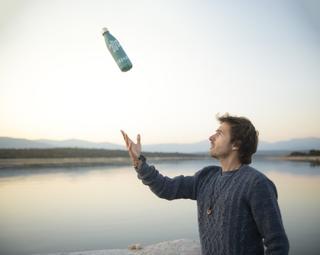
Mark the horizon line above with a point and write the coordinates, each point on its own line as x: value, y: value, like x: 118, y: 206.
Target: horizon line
x: 83, y: 140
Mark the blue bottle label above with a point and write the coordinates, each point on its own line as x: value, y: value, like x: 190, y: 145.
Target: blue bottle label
x: 117, y: 52
x: 114, y: 45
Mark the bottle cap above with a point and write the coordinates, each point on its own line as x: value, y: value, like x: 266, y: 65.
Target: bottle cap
x: 104, y: 30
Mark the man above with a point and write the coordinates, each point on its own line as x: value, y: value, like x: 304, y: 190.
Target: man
x: 238, y: 212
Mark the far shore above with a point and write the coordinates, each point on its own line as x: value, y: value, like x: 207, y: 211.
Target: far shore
x: 83, y: 161
x: 122, y: 160
x: 78, y: 157
x: 311, y: 159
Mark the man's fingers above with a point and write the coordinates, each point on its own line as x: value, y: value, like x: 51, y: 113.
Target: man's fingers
x: 123, y: 133
x: 127, y: 140
x: 124, y: 137
x: 129, y: 144
x: 129, y: 148
x: 130, y: 151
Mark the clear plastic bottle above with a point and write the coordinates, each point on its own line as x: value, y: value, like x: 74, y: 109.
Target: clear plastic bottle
x: 117, y: 51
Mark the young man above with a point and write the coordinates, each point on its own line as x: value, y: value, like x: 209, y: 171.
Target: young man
x: 238, y: 212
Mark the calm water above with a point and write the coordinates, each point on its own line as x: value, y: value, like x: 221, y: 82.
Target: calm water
x: 72, y: 209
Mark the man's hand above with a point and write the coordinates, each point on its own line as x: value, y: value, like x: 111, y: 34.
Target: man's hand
x: 133, y: 149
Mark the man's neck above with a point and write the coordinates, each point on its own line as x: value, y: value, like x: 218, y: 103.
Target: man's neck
x: 229, y: 164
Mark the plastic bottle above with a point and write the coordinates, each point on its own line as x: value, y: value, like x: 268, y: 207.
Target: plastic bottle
x: 116, y: 51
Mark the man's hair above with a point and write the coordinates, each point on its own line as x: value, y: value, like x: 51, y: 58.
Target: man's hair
x: 243, y: 134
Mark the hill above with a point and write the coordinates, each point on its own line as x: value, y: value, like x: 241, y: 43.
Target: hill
x: 301, y: 144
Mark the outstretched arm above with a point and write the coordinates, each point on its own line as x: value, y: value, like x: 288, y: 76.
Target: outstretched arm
x: 163, y: 186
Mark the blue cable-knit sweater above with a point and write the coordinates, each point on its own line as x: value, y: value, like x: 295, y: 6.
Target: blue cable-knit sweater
x: 238, y: 212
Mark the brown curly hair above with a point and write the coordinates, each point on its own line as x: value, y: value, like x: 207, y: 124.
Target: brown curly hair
x: 243, y: 134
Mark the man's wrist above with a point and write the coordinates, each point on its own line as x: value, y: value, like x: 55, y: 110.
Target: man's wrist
x: 141, y: 159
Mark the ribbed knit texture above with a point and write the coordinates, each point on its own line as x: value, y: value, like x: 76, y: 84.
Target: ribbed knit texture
x: 245, y: 218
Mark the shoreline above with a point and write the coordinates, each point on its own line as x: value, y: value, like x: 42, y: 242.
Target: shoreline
x: 81, y: 161
x: 22, y: 163
x: 311, y: 159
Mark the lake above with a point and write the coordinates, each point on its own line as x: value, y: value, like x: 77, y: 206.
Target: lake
x: 90, y: 208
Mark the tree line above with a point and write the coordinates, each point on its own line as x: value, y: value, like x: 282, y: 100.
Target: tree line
x: 310, y: 153
x: 79, y: 153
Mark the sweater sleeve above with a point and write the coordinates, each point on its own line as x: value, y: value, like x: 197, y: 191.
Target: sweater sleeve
x: 165, y: 187
x: 266, y: 213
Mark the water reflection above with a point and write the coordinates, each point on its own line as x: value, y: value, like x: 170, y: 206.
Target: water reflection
x: 51, y: 210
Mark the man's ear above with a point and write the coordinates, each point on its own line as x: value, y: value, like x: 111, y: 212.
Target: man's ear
x: 235, y: 146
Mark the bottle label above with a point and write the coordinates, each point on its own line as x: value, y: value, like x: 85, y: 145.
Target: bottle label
x: 114, y: 45
x: 122, y: 60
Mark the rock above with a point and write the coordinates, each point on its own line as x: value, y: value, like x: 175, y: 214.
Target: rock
x: 136, y: 246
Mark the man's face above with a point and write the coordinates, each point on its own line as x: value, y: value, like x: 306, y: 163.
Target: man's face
x: 220, y: 142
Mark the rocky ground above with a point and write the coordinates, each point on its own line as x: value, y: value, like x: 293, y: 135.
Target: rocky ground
x: 175, y: 247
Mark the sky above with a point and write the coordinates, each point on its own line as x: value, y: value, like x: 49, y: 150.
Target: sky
x: 191, y: 61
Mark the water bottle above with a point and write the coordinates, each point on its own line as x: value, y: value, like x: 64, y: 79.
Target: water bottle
x: 116, y: 51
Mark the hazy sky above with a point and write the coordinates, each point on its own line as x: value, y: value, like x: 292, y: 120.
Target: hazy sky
x: 191, y: 60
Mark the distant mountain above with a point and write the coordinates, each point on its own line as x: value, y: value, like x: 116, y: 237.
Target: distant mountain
x: 301, y: 144
x: 7, y: 142
x: 81, y: 144
x: 297, y: 144
x: 17, y: 143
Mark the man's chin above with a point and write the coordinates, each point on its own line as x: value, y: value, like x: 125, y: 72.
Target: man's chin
x: 213, y: 155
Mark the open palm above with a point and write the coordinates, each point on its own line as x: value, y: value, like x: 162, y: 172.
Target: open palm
x: 134, y: 149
